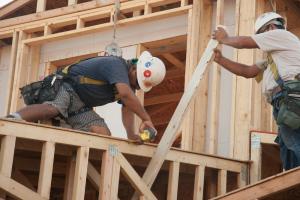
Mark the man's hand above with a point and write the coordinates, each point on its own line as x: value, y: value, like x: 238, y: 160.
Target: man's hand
x: 220, y: 34
x: 218, y: 55
x: 135, y: 138
x: 146, y: 124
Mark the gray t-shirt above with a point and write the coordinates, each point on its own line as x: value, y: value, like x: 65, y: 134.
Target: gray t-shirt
x: 284, y: 48
x: 110, y: 69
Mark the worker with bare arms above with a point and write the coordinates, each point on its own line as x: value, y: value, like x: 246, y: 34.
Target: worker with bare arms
x: 119, y: 79
x: 280, y: 73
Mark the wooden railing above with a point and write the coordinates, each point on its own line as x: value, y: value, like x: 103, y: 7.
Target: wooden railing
x: 82, y: 150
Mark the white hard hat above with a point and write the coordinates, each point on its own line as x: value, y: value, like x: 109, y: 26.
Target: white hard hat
x: 150, y: 70
x: 267, y: 17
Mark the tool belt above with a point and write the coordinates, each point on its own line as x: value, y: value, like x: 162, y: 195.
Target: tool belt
x: 41, y: 91
x: 289, y: 110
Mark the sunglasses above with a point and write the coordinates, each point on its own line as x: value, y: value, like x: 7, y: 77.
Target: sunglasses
x: 264, y: 29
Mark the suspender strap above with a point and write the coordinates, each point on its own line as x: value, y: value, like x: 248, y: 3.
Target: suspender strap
x: 274, y: 71
x: 84, y: 79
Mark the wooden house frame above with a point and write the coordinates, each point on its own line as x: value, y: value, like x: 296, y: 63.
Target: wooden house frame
x: 37, y: 37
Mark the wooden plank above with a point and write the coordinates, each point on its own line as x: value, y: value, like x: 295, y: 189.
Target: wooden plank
x: 32, y: 18
x: 69, y: 178
x: 201, y: 100
x: 173, y: 60
x: 46, y: 169
x: 214, y: 102
x: 82, y: 158
x: 266, y: 187
x: 173, y: 180
x: 244, y: 86
x: 133, y: 177
x: 97, y: 28
x: 199, y: 183
x: 17, y: 190
x: 72, y: 2
x: 170, y: 133
x: 77, y: 138
x: 41, y: 5
x: 187, y: 124
x: 11, y: 7
x: 19, y: 71
x: 222, y: 181
x: 11, y: 72
x: 7, y: 155
x: 93, y: 176
x: 106, y: 174
x: 255, y: 157
x: 166, y: 98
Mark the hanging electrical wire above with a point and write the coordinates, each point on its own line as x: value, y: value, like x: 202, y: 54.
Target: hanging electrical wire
x: 113, y: 48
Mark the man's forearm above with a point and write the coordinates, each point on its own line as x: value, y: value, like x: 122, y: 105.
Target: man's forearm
x: 239, y: 42
x: 132, y: 103
x: 237, y: 68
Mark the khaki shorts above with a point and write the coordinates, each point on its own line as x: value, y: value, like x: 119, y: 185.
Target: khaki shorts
x: 67, y: 101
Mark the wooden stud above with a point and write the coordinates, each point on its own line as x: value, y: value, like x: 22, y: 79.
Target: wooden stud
x: 184, y: 2
x: 106, y: 174
x: 69, y: 178
x: 80, y: 23
x: 41, y: 5
x: 243, y: 116
x: 7, y: 154
x: 46, y: 169
x: 20, y: 70
x: 17, y: 190
x: 72, y: 2
x: 173, y: 180
x: 199, y: 183
x: 148, y: 8
x: 215, y: 71
x: 170, y: 133
x: 47, y: 30
x: 82, y: 158
x: 12, y: 67
x: 222, y: 181
x: 201, y: 100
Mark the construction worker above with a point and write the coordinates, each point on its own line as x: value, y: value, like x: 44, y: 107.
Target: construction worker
x: 280, y: 75
x: 119, y: 78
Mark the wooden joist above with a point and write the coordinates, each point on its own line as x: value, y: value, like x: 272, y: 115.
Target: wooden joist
x: 266, y: 187
x: 11, y: 7
x: 18, y: 190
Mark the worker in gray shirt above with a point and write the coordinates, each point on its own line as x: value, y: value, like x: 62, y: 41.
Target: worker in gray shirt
x: 280, y: 75
x: 96, y: 82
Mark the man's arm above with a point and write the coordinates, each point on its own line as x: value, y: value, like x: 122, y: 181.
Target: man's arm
x: 128, y: 122
x: 132, y: 103
x: 247, y: 71
x: 239, y: 42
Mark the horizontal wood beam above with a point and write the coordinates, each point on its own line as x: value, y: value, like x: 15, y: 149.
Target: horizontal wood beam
x: 167, y: 98
x: 18, y: 190
x: 79, y: 138
x: 11, y: 7
x: 266, y: 187
x: 97, y: 28
x: 53, y: 13
x: 174, y: 60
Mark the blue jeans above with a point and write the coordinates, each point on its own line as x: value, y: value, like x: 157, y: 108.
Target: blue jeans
x: 288, y: 140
